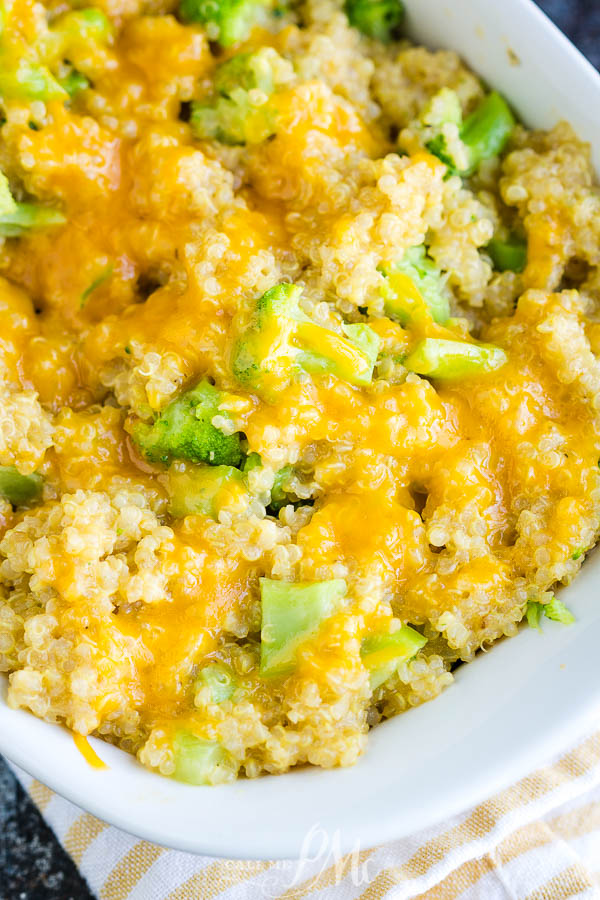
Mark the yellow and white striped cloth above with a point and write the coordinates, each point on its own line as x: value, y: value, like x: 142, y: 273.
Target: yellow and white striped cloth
x: 537, y: 840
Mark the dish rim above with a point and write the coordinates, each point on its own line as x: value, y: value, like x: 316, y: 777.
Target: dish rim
x: 98, y: 792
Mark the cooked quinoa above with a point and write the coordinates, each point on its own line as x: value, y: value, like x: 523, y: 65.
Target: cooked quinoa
x: 253, y: 505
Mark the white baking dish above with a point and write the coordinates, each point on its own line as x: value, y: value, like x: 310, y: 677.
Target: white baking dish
x: 506, y: 712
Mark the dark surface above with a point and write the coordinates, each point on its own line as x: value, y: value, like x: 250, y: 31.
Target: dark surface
x: 33, y: 866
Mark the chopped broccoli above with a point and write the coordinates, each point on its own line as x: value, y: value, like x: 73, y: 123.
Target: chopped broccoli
x: 200, y: 490
x: 378, y: 19
x: 240, y: 111
x: 483, y: 134
x: 29, y: 216
x: 74, y: 83
x: 219, y: 679
x: 24, y: 79
x: 20, y: 490
x: 578, y: 554
x: 444, y: 359
x: 509, y: 255
x: 280, y: 341
x: 291, y: 615
x: 199, y: 761
x: 8, y: 204
x: 279, y: 496
x: 184, y: 430
x: 382, y: 653
x: 554, y: 609
x: 413, y: 284
x: 228, y: 21
x: 233, y: 120
x: 248, y: 71
x: 74, y: 29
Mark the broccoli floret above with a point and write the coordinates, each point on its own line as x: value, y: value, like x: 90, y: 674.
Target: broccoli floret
x: 292, y: 614
x: 378, y: 19
x: 414, y: 284
x: 20, y: 490
x: 450, y: 360
x: 240, y: 112
x: 280, y: 341
x: 184, y: 430
x: 76, y: 29
x: 233, y: 120
x: 482, y: 135
x: 228, y: 21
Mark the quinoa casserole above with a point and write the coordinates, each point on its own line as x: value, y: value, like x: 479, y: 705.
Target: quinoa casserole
x: 299, y: 374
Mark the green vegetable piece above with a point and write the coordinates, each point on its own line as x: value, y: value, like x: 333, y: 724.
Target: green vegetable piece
x: 28, y: 80
x: 578, y: 554
x: 102, y: 277
x: 20, y: 490
x: 402, y: 297
x: 248, y: 71
x: 77, y: 28
x: 29, y: 216
x: 382, y: 653
x: 219, y: 679
x: 195, y: 490
x: 74, y: 83
x: 483, y: 134
x: 184, y: 430
x: 509, y: 255
x: 241, y: 112
x: 231, y: 21
x: 378, y: 19
x: 198, y: 761
x: 292, y: 614
x: 438, y: 358
x: 556, y: 610
x: 253, y: 461
x: 233, y: 120
x: 279, y: 497
x: 486, y: 131
x: 8, y: 205
x: 280, y: 341
x: 534, y: 613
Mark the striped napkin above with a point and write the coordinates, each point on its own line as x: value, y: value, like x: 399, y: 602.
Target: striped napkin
x: 537, y: 840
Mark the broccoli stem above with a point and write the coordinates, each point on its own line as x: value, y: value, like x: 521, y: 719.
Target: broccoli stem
x: 451, y: 360
x: 509, y: 255
x: 219, y: 679
x: 382, y: 653
x: 292, y: 614
x: 29, y: 216
x: 20, y: 490
x: 200, y: 490
x: 486, y: 131
x: 412, y: 285
x: 199, y: 761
